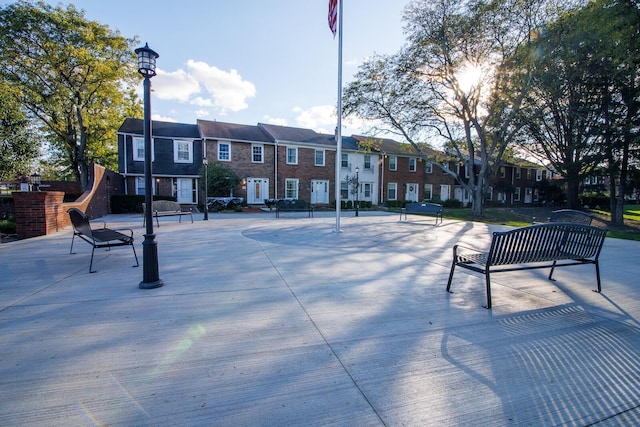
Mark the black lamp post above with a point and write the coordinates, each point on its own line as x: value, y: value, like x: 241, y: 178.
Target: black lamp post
x: 205, y: 163
x: 357, y: 188
x: 151, y: 278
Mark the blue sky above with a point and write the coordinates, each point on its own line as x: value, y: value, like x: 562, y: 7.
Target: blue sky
x: 252, y: 61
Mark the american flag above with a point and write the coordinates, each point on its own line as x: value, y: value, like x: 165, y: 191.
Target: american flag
x: 333, y: 16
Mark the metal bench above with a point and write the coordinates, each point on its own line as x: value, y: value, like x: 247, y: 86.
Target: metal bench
x: 293, y: 205
x: 166, y: 208
x: 550, y: 245
x: 422, y: 209
x: 98, y: 237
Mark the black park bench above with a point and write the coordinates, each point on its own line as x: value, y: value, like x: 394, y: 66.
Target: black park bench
x: 102, y: 237
x: 293, y: 205
x: 551, y: 245
x: 423, y: 208
x: 162, y: 208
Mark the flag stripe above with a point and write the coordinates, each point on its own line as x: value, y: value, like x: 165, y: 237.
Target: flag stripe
x: 333, y: 16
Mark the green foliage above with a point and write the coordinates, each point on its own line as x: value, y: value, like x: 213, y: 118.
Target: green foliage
x: 221, y: 180
x: 452, y: 203
x: 7, y: 226
x: 74, y: 77
x: 18, y: 142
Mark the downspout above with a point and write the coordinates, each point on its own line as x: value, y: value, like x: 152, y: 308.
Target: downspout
x: 275, y: 183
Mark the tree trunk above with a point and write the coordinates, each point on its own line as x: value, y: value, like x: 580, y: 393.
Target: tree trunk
x: 573, y: 201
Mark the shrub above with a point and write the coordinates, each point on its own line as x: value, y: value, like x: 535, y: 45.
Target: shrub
x: 125, y: 203
x: 452, y: 203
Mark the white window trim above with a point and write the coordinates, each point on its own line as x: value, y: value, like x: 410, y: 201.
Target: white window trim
x: 220, y: 143
x: 176, y: 144
x: 295, y: 149
x: 261, y: 146
x: 429, y: 167
x: 413, y: 161
x: 134, y: 151
x: 296, y: 183
x: 393, y: 163
x: 430, y: 187
x: 393, y: 185
x: 315, y: 158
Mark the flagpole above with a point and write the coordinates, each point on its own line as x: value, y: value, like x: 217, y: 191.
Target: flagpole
x: 339, y: 133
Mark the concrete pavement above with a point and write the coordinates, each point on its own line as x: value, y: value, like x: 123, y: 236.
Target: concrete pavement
x: 266, y: 321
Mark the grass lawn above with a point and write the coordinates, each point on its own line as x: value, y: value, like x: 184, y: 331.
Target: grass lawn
x: 504, y: 217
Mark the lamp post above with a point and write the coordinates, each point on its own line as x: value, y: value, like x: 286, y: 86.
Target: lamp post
x: 205, y: 163
x: 357, y: 188
x: 36, y: 180
x: 147, y: 68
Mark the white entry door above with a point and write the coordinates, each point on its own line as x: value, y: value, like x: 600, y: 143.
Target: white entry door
x: 257, y: 190
x: 184, y: 193
x: 319, y: 192
x: 445, y: 192
x: 412, y: 192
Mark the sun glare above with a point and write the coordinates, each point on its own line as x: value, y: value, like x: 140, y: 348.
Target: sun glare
x: 468, y: 77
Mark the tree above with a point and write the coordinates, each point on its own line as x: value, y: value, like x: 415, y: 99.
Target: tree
x: 221, y: 180
x: 69, y: 74
x: 458, y: 80
x: 18, y: 142
x: 583, y: 111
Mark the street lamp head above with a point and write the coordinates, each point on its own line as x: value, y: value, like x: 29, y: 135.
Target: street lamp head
x: 146, y: 61
x: 357, y: 169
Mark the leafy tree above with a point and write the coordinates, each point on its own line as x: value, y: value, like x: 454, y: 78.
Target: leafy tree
x: 583, y: 111
x: 221, y: 180
x: 69, y: 73
x: 18, y: 142
x: 458, y: 80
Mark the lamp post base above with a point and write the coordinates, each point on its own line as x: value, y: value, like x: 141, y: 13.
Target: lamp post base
x: 150, y: 276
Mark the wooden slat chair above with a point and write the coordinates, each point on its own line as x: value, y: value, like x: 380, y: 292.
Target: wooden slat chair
x: 98, y: 237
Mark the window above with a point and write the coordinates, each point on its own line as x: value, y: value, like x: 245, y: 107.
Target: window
x: 319, y: 158
x: 291, y: 188
x: 367, y: 190
x: 140, y: 185
x: 412, y: 164
x: 517, y: 173
x: 538, y: 174
x: 367, y: 162
x: 529, y: 173
x: 428, y: 192
x: 257, y: 153
x: 224, y: 151
x: 503, y: 172
x: 344, y: 190
x: 138, y: 149
x: 393, y: 164
x: 344, y: 161
x: 429, y: 167
x: 182, y: 152
x: 292, y: 155
x: 445, y: 167
x: 516, y: 194
x: 392, y: 191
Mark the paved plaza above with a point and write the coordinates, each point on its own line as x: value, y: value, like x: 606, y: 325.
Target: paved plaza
x: 275, y: 322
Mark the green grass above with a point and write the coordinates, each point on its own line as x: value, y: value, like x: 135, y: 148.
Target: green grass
x: 504, y: 217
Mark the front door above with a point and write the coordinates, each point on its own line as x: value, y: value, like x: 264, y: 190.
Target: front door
x: 257, y: 190
x: 412, y: 192
x: 319, y: 192
x: 445, y: 192
x: 184, y: 190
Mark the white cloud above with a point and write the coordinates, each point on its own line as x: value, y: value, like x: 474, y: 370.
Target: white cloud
x: 202, y: 113
x: 228, y: 90
x: 275, y: 121
x: 319, y: 118
x: 204, y: 86
x: 177, y: 85
x: 163, y: 119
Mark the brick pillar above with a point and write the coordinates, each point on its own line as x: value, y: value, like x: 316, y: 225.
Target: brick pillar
x: 38, y: 213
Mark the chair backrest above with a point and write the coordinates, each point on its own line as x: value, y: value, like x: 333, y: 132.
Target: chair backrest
x: 571, y: 215
x: 80, y: 221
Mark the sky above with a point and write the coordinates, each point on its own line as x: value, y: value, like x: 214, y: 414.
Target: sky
x: 252, y: 61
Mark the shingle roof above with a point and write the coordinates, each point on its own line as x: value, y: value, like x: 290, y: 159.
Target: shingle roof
x: 284, y: 134
x: 158, y: 128
x: 231, y: 131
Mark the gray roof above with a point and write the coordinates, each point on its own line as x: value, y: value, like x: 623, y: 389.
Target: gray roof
x: 232, y: 131
x: 297, y: 135
x: 158, y: 128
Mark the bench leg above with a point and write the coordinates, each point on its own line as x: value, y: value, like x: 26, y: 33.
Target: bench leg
x: 553, y: 266
x: 488, y: 282
x: 135, y: 255
x: 72, y: 239
x: 453, y: 267
x: 91, y: 270
x: 599, y: 289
